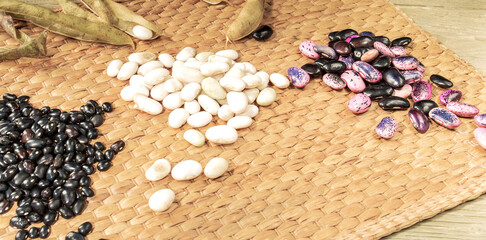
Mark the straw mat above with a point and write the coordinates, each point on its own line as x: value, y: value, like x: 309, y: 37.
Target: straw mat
x: 307, y: 168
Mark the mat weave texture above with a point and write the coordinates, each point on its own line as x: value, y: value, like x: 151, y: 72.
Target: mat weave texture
x: 306, y: 168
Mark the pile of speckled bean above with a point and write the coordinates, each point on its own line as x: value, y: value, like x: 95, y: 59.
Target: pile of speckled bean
x: 376, y: 68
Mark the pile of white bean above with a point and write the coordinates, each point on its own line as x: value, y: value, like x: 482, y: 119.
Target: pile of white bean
x: 185, y: 170
x: 211, y: 81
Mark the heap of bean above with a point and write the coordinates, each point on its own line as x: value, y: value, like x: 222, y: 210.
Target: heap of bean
x: 376, y: 68
x: 46, y: 160
x: 211, y: 81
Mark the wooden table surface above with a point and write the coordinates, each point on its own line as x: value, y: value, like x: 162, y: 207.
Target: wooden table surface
x: 461, y: 26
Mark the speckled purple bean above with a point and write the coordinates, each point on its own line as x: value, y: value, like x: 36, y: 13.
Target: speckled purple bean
x: 333, y: 81
x: 480, y: 120
x: 348, y: 39
x: 307, y: 48
x: 480, y: 135
x: 387, y: 127
x: 421, y: 90
x: 419, y: 121
x: 462, y: 109
x: 298, y: 77
x: 451, y: 95
x: 367, y: 72
x: 399, y: 51
x: 405, y: 63
x: 412, y: 76
x: 421, y: 68
x: 354, y: 82
x: 383, y: 49
x: 348, y: 60
x: 326, y: 51
x: 360, y: 103
x: 444, y: 118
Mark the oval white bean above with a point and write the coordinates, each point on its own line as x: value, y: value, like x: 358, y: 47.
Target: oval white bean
x: 235, y: 72
x: 156, y: 76
x: 279, y: 80
x: 212, y: 88
x: 193, y: 63
x: 222, y: 134
x: 216, y: 167
x: 194, y: 137
x: 232, y: 84
x: 167, y: 60
x: 147, y: 67
x: 229, y: 53
x: 172, y: 85
x: 159, y: 170
x: 177, y: 66
x: 113, y: 68
x: 252, y: 94
x: 237, y: 101
x: 127, y: 70
x: 249, y: 68
x: 199, y: 119
x: 239, y: 122
x: 138, y: 80
x: 208, y: 104
x: 142, y: 32
x: 186, y: 53
x: 187, y: 75
x: 161, y: 200
x: 186, y: 170
x: 190, y: 91
x: 158, y: 92
x: 265, y: 79
x: 266, y: 97
x: 220, y: 59
x: 192, y: 107
x: 173, y: 101
x: 141, y: 57
x: 178, y: 117
x: 251, y: 111
x: 129, y: 92
x: 203, y: 56
x: 213, y: 68
x: 222, y: 101
x: 225, y: 113
x: 252, y: 81
x: 147, y: 105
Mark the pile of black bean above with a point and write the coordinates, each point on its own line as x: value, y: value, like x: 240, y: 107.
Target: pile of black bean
x: 46, y: 159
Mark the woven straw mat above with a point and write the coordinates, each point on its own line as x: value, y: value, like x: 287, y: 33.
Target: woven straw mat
x: 306, y: 168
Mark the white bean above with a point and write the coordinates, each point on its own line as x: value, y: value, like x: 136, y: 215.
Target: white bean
x: 113, y: 68
x: 203, y: 56
x: 239, y: 122
x: 225, y: 113
x: 264, y: 77
x: 186, y: 170
x: 213, y: 68
x: 161, y: 200
x: 237, y: 101
x: 212, y: 88
x: 235, y: 72
x: 279, y: 80
x: 156, y: 76
x: 222, y: 134
x: 252, y: 81
x: 251, y: 111
x: 178, y: 117
x: 190, y: 91
x: 192, y: 107
x: 194, y: 137
x: 147, y: 105
x: 142, y: 32
x: 232, y: 84
x: 138, y: 80
x: 186, y: 53
x: 249, y: 68
x: 176, y: 66
x: 208, y: 104
x: 266, y: 97
x: 147, y: 67
x: 193, y: 64
x: 229, y: 53
x: 129, y: 92
x: 187, y: 75
x: 160, y: 169
x: 220, y: 59
x: 141, y: 57
x: 127, y: 70
x: 167, y: 60
x: 216, y: 167
x: 172, y: 85
x: 158, y: 92
x: 222, y: 101
x: 199, y: 119
x: 173, y: 101
x: 218, y: 76
x: 252, y: 94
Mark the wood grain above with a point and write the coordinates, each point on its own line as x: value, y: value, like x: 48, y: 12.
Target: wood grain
x: 461, y: 26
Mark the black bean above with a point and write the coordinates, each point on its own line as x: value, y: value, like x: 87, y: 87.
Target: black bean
x: 109, y: 154
x: 88, y: 169
x: 333, y: 36
x: 44, y: 231
x: 263, y: 33
x: 441, y: 81
x: 19, y: 178
x: 78, y: 206
x: 74, y: 236
x: 68, y: 196
x: 118, y: 146
x: 99, y: 146
x: 97, y: 120
x: 23, y: 211
x: 86, y: 191
x: 71, y: 132
x: 382, y: 39
x: 50, y: 218
x: 24, y: 201
x: 362, y: 41
x: 85, y: 228
x: 66, y: 212
x: 88, y: 109
x: 39, y: 206
x: 34, y: 217
x: 35, y: 192
x: 33, y: 232
x: 107, y: 107
x: 403, y: 41
x: 312, y: 69
x: 342, y: 48
x: 334, y: 67
x: 393, y: 78
x: 15, y: 195
x: 103, y: 166
x: 9, y: 96
x: 382, y: 62
x: 35, y: 143
x: 346, y: 33
x: 21, y: 235
x: 10, y: 158
x: 92, y: 133
x: 425, y: 106
x: 394, y: 103
x: 19, y: 222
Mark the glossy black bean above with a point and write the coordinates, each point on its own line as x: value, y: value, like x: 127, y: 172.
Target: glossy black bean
x: 35, y: 192
x: 60, y: 137
x: 86, y: 191
x: 46, y: 159
x: 441, y: 81
x: 382, y: 62
x: 68, y: 196
x: 5, y: 206
x: 76, y: 116
x: 21, y: 235
x: 70, y: 145
x: 15, y: 195
x: 71, y: 183
x: 85, y: 228
x: 342, y: 48
x: 378, y: 91
x: 346, y: 33
x: 9, y: 174
x: 20, y: 152
x: 58, y: 182
x: 58, y: 161
x: 99, y: 146
x: 3, y: 187
x: 38, y: 206
x: 50, y: 218
x: 43, y: 183
x: 393, y: 78
x: 9, y: 96
x: 334, y: 67
x: 90, y: 160
x: 394, y: 103
x: 382, y: 39
x: 46, y: 193
x: 80, y: 158
x: 56, y: 193
x: 71, y: 132
x: 118, y: 146
x: 403, y: 41
x: 362, y: 41
x: 107, y: 107
x: 92, y: 133
x: 358, y: 52
x: 261, y: 34
x: 425, y: 106
x: 109, y: 154
x: 103, y: 166
x: 23, y: 211
x: 34, y: 217
x: 24, y: 201
x: 44, y: 231
x: 97, y: 120
x: 99, y: 156
x: 33, y: 232
x: 76, y: 175
x: 51, y: 173
x: 71, y: 166
x: 11, y: 158
x: 35, y: 154
x: 65, y: 212
x: 74, y: 236
x: 79, y: 206
x: 35, y: 143
x: 84, y: 181
x: 88, y: 169
x: 54, y: 204
x: 92, y: 102
x: 19, y: 178
x: 312, y: 69
x: 333, y: 36
x: 19, y: 222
